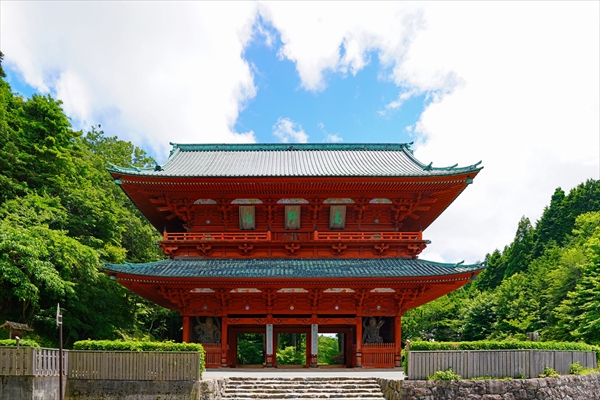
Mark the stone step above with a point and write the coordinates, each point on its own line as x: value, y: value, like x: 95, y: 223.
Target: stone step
x: 312, y: 391
x: 247, y: 386
x: 295, y: 397
x: 345, y: 388
x: 288, y: 396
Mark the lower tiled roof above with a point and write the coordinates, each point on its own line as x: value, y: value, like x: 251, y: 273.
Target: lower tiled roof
x: 292, y: 268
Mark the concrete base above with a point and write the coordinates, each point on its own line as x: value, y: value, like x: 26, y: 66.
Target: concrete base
x: 30, y: 387
x: 79, y: 389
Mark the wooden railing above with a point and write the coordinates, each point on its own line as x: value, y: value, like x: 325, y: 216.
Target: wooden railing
x: 366, y: 236
x: 378, y: 355
x: 20, y: 361
x: 496, y: 363
x: 219, y: 236
x: 268, y: 236
x: 212, y: 358
x: 128, y: 365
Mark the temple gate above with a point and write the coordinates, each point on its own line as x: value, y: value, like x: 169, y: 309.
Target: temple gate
x: 303, y: 238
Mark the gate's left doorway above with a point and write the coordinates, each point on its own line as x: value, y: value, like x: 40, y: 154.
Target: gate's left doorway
x: 246, y: 346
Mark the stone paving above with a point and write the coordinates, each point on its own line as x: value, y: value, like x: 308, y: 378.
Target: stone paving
x: 218, y: 373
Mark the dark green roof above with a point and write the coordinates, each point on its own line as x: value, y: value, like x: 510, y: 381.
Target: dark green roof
x: 301, y: 160
x: 293, y: 268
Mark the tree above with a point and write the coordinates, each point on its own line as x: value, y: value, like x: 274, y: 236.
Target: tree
x: 518, y: 255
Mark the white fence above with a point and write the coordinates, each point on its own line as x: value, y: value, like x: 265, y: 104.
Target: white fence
x: 496, y: 363
x: 18, y: 361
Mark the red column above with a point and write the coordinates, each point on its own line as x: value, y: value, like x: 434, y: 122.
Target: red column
x: 398, y: 340
x: 224, y: 342
x: 186, y: 329
x: 358, y: 342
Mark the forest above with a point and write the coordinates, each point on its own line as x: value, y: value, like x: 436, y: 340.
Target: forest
x: 61, y: 217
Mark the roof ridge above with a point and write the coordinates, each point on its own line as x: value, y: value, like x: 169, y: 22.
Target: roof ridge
x: 290, y: 146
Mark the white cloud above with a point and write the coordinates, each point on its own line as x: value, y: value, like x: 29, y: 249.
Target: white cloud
x: 289, y: 131
x: 513, y: 83
x: 329, y: 137
x: 153, y: 72
x: 333, y: 138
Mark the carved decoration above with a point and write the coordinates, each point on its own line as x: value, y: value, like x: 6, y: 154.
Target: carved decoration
x: 292, y: 248
x: 338, y: 248
x: 180, y: 297
x: 359, y: 297
x: 360, y: 207
x: 204, y: 248
x: 225, y: 208
x: 270, y: 205
x: 269, y: 296
x: 381, y: 248
x: 314, y: 209
x: 246, y: 248
x: 223, y: 295
x: 405, y: 297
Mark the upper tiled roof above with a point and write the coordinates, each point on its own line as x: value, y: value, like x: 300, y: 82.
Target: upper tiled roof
x: 292, y: 268
x: 265, y: 160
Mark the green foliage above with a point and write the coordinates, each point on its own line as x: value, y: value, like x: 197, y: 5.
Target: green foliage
x: 549, y: 373
x: 60, y: 214
x: 22, y: 343
x: 575, y: 369
x: 479, y: 317
x: 135, y: 345
x: 328, y: 352
x: 250, y: 349
x: 447, y: 375
x: 290, y: 356
x: 518, y: 255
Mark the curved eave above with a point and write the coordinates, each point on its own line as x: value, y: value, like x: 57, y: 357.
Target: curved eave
x: 297, y: 269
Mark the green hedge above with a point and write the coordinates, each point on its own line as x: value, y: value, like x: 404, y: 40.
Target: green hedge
x: 499, y: 345
x: 22, y: 343
x: 134, y: 345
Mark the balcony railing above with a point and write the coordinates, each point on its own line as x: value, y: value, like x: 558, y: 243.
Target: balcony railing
x: 339, y: 236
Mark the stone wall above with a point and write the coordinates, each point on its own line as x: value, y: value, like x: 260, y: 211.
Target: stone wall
x: 82, y: 389
x: 29, y: 387
x: 572, y: 387
x: 213, y: 389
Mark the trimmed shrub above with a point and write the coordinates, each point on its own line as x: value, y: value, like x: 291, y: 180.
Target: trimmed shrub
x: 22, y: 343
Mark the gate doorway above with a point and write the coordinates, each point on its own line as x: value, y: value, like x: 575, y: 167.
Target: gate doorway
x: 292, y: 349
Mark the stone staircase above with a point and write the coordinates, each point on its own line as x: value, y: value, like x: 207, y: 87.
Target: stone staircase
x: 344, y: 388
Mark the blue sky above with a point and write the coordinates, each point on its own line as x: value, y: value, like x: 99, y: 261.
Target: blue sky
x: 351, y: 108
x: 447, y: 75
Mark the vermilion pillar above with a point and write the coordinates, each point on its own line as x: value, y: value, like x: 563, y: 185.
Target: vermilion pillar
x: 185, y: 337
x: 398, y: 340
x: 358, y: 342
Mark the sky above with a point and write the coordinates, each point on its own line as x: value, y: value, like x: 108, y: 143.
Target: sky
x: 513, y: 84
